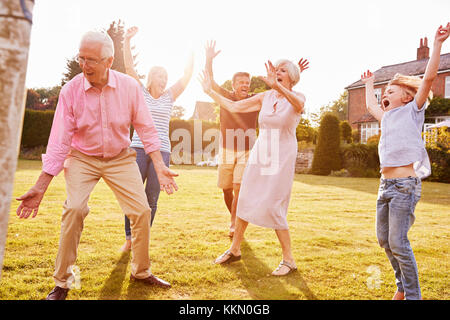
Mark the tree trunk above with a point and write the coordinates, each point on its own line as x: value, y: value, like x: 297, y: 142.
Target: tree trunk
x: 14, y: 44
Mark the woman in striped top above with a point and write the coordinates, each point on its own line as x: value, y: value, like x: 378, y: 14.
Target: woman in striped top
x: 159, y: 102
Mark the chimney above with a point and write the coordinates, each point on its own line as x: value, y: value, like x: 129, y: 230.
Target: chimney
x: 423, y: 52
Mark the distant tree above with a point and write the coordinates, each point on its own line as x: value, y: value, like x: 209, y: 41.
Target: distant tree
x: 315, y: 118
x: 72, y: 69
x: 327, y: 152
x: 305, y: 132
x: 227, y: 85
x: 346, y: 131
x: 52, y: 102
x: 42, y: 98
x: 338, y: 108
x: 177, y: 112
x: 33, y: 100
x: 438, y: 107
x: 256, y: 85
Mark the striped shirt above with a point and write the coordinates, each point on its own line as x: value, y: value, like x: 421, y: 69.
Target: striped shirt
x: 160, y: 110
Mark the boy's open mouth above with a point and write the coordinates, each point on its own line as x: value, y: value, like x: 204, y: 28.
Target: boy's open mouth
x: 385, y: 103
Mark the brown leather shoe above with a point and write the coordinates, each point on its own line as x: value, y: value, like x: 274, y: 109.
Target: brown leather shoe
x: 152, y: 281
x: 57, y: 293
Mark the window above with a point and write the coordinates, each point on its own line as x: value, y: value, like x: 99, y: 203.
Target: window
x: 378, y: 95
x: 447, y: 87
x: 369, y: 129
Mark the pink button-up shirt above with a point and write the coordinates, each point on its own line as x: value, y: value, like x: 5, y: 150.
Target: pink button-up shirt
x: 97, y: 122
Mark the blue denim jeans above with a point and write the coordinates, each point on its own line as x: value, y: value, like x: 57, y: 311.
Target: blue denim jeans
x: 152, y: 187
x: 397, y: 199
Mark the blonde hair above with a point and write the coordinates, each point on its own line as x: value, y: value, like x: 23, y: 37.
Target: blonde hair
x: 410, y: 84
x: 292, y: 68
x: 154, y: 70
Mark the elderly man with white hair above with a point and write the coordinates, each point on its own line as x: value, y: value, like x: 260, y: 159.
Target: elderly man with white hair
x: 90, y: 139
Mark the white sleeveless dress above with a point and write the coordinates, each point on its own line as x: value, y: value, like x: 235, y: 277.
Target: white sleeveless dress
x: 267, y: 181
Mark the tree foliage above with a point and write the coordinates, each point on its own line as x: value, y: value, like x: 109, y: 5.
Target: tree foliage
x: 346, y: 131
x: 327, y: 153
x: 256, y: 85
x: 438, y: 107
x: 42, y: 98
x: 72, y: 69
x: 305, y: 132
x: 361, y: 160
x: 338, y: 108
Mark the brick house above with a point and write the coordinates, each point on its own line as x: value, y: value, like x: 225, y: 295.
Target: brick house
x: 360, y: 119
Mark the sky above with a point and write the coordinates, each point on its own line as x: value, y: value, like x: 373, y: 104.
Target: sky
x: 341, y: 39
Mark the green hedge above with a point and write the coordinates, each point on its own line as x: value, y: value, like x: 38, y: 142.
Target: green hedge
x: 361, y: 160
x: 36, y: 128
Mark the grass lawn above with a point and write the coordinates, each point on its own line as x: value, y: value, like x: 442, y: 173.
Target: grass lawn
x: 332, y: 226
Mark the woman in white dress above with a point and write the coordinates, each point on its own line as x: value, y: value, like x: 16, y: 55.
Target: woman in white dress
x: 268, y: 177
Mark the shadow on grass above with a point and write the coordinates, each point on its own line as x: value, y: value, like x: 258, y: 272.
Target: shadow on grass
x: 113, y: 286
x: 261, y: 285
x: 433, y: 192
x: 140, y: 291
x: 112, y: 289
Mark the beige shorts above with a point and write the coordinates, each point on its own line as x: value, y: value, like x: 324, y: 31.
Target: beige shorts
x: 231, y: 167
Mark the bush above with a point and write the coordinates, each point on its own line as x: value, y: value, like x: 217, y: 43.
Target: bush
x: 356, y: 137
x: 438, y: 138
x: 438, y: 107
x: 374, y: 139
x: 361, y: 160
x: 327, y: 153
x: 346, y: 132
x: 36, y: 128
x: 440, y: 164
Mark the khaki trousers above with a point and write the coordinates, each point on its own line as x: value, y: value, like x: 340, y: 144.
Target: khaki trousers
x: 121, y: 174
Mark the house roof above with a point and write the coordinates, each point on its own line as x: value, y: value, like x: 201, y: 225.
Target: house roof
x: 204, y: 111
x: 367, y: 117
x: 411, y: 68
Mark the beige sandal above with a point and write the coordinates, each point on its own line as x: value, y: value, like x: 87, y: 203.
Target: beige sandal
x: 290, y: 268
x: 229, y: 258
